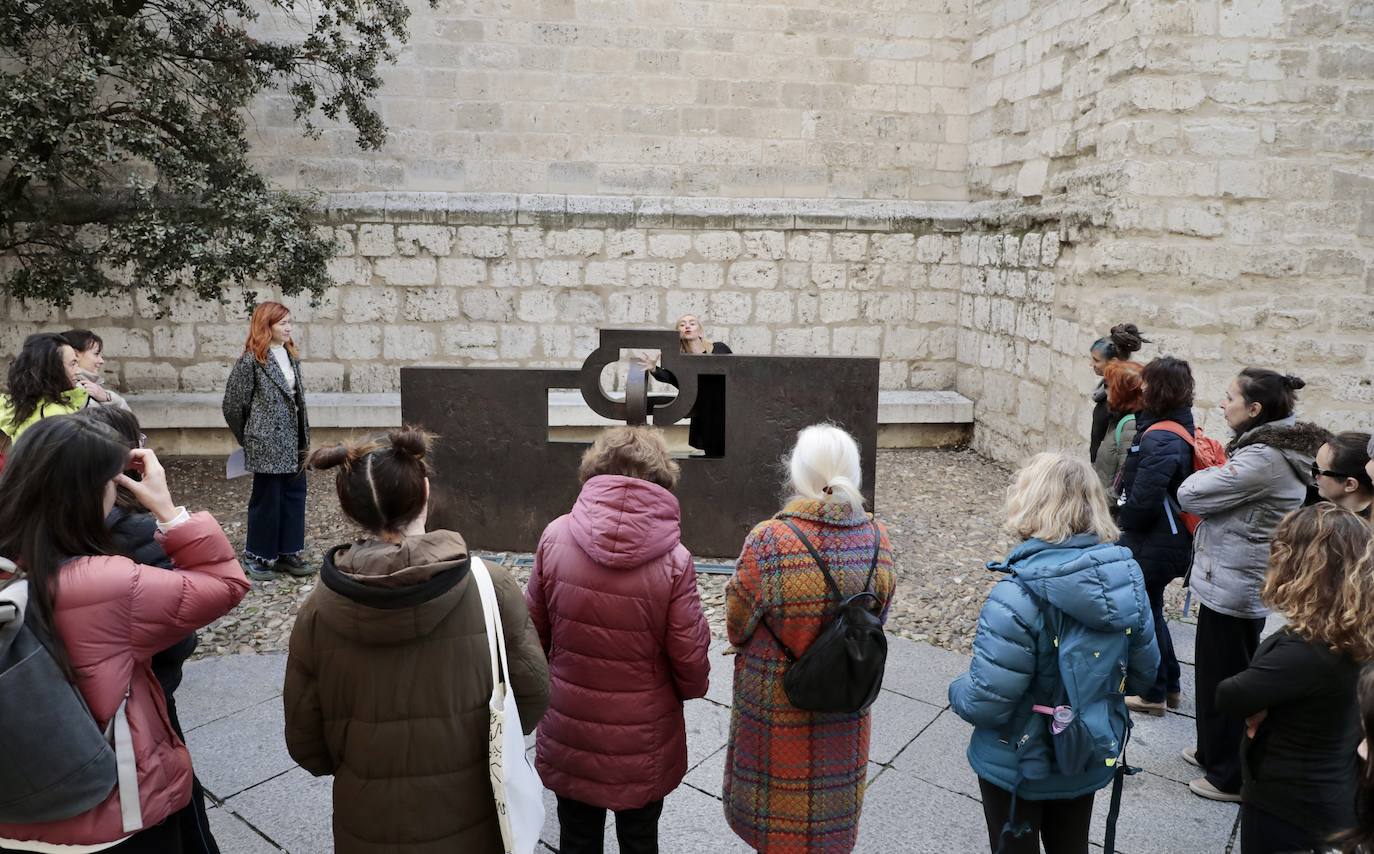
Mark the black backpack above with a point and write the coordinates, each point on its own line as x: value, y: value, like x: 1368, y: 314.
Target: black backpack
x: 842, y: 670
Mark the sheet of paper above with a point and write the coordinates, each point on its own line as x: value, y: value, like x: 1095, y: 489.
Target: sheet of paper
x: 235, y: 466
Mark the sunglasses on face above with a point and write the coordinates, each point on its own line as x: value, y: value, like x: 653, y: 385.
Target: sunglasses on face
x: 1318, y: 471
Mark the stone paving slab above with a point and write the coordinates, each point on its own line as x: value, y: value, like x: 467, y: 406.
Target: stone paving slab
x: 922, y: 796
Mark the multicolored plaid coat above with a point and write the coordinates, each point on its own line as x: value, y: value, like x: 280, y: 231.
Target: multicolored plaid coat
x: 794, y: 780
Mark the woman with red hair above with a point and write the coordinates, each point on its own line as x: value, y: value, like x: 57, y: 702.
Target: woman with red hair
x: 1125, y: 399
x: 264, y: 406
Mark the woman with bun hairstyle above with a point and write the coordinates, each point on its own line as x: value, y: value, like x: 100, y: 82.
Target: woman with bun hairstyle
x: 388, y: 678
x: 1298, y: 696
x: 108, y: 616
x: 264, y: 406
x: 614, y: 598
x: 1152, y: 526
x: 1267, y: 476
x: 1118, y: 345
x: 1125, y: 399
x: 1341, y: 473
x: 794, y: 780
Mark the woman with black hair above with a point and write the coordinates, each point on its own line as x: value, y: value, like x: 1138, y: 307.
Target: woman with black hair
x: 1151, y: 525
x: 1340, y: 473
x: 133, y: 533
x: 90, y: 358
x: 42, y: 382
x: 1119, y: 344
x: 1266, y: 476
x: 106, y: 616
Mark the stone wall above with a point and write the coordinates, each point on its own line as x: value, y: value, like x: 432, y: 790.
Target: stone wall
x: 830, y: 99
x: 436, y: 280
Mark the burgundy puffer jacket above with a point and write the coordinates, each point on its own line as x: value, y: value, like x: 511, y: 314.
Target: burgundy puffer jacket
x: 614, y: 599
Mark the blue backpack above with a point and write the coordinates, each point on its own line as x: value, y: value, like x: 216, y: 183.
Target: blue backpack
x: 1086, y: 724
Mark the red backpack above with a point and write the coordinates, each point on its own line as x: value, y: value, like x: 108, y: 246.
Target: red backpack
x: 1207, y: 452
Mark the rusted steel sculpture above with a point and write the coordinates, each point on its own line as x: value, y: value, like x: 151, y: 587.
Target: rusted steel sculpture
x: 499, y: 479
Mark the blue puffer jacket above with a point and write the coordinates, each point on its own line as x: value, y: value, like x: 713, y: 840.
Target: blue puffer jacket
x: 1099, y: 585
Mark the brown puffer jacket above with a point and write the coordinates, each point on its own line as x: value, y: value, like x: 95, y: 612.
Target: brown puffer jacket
x: 387, y: 686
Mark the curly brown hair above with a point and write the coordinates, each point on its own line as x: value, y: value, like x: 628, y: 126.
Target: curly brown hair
x: 632, y: 452
x: 1321, y: 577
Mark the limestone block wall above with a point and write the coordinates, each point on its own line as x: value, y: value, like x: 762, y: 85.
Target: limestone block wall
x: 799, y: 98
x: 452, y: 284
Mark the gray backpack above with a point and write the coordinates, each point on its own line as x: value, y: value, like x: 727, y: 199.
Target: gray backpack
x: 57, y: 761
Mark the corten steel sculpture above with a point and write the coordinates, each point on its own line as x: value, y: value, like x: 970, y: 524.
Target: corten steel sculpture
x: 499, y: 479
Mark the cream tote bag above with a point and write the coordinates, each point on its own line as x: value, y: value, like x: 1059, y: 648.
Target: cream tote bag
x: 514, y: 782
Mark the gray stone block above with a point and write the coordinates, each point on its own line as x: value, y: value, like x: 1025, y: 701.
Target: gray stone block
x: 1157, y: 744
x: 1185, y: 640
x: 241, y: 750
x: 235, y: 836
x: 708, y: 728
x: 907, y: 814
x: 213, y: 688
x: 939, y: 757
x: 293, y: 810
x: 896, y: 722
x: 722, y: 686
x: 708, y: 776
x: 921, y: 671
x: 1159, y: 816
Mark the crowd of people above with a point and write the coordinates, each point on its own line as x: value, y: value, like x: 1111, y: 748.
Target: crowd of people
x: 391, y: 671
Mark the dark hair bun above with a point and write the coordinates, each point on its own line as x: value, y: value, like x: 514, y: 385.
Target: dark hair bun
x: 1295, y: 383
x: 411, y: 442
x: 330, y: 457
x: 1126, y: 338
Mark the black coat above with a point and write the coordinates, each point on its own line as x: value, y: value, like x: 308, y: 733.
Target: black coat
x: 1301, y: 765
x: 707, y: 430
x: 1101, y: 418
x: 134, y: 536
x: 1151, y: 524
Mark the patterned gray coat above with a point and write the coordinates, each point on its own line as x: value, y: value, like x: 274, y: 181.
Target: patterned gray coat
x: 267, y: 416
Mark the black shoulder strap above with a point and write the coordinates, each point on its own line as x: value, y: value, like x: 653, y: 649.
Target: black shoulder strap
x: 820, y: 561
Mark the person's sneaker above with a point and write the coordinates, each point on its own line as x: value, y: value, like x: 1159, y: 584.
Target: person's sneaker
x: 1144, y: 706
x: 1204, y: 789
x: 257, y: 570
x: 295, y: 565
x: 1190, y: 756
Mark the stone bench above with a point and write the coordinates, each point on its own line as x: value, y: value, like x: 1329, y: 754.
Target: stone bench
x: 191, y: 424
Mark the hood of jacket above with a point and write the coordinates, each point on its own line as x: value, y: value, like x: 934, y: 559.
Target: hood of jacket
x: 624, y: 522
x: 1080, y: 576
x: 1298, y: 442
x: 369, y: 581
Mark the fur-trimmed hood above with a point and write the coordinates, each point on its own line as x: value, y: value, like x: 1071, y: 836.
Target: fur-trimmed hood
x: 1288, y: 434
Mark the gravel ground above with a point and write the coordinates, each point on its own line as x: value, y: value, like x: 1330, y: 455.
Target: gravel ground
x: 941, y: 507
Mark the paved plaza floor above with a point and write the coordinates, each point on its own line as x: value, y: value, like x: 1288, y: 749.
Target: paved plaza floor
x: 922, y: 797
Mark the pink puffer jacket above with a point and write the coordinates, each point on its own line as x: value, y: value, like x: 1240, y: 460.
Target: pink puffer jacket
x: 614, y: 599
x: 112, y: 615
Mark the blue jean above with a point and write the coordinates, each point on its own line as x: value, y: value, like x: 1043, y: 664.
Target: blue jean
x: 276, y: 516
x: 1167, y: 679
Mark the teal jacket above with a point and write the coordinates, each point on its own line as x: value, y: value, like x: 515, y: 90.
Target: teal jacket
x: 1099, y: 585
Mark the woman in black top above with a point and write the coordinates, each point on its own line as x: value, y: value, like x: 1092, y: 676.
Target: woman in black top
x: 1298, y: 695
x: 1123, y: 340
x: 707, y: 430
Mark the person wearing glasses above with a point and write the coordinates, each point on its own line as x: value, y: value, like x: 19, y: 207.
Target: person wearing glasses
x: 1341, y: 474
x: 133, y: 534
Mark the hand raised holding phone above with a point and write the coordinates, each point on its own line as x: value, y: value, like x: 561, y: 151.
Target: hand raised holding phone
x: 151, y: 490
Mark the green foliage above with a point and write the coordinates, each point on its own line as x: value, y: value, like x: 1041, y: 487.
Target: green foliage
x: 122, y: 150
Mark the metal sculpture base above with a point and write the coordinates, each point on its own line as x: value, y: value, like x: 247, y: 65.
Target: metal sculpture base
x: 499, y: 480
